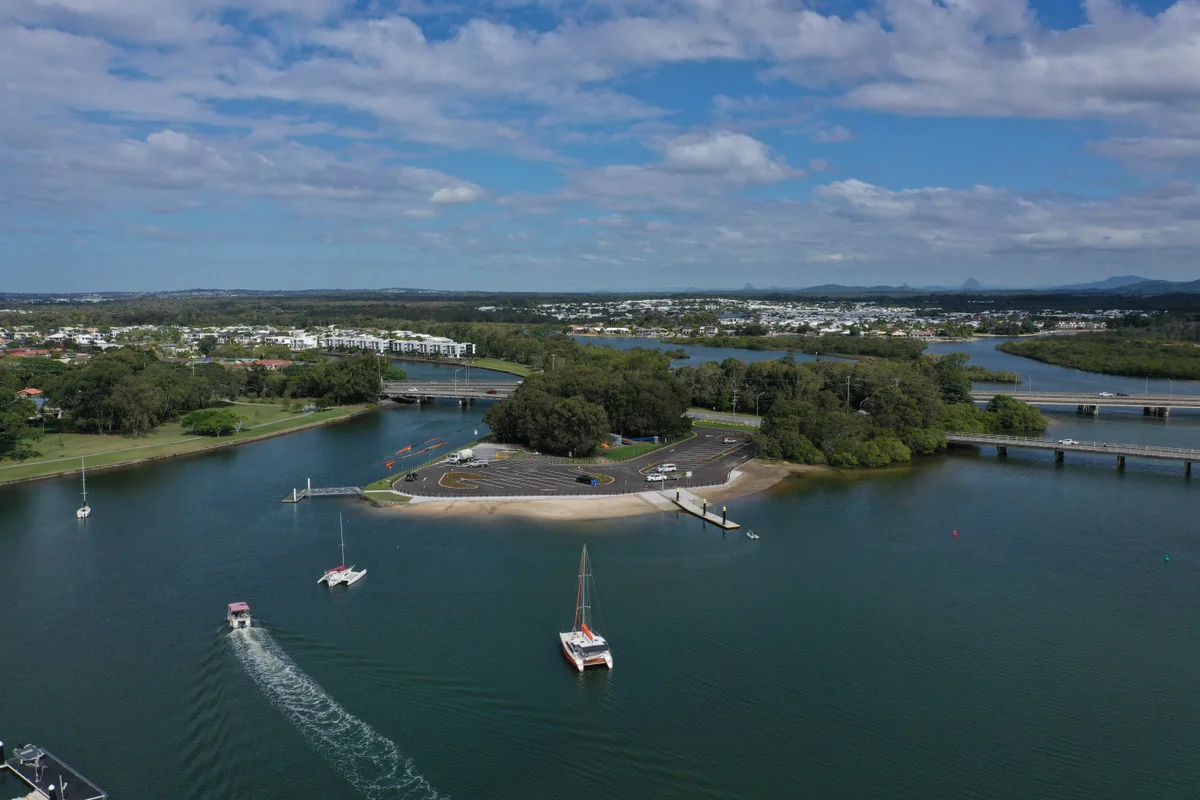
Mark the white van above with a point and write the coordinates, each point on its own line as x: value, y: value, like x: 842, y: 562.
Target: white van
x: 667, y: 468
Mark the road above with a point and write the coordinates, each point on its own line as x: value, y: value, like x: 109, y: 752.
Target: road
x: 707, y: 456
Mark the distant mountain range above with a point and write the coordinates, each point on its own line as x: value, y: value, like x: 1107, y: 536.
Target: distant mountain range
x: 1121, y: 284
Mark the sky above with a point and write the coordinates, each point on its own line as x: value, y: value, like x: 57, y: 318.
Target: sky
x: 596, y: 144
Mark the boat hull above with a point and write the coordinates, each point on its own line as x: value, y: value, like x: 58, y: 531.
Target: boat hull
x: 579, y: 662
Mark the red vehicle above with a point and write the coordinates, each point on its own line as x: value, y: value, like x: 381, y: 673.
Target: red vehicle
x: 492, y: 391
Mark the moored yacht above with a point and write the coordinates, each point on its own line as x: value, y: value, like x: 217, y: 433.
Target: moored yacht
x: 582, y: 645
x: 343, y: 574
x: 84, y: 511
x: 238, y: 615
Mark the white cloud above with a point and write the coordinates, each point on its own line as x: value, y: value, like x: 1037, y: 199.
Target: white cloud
x: 455, y: 195
x: 735, y: 156
x: 419, y: 213
x: 832, y: 133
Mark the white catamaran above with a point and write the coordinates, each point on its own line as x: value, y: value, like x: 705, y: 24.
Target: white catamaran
x: 84, y: 511
x: 582, y: 646
x: 342, y: 574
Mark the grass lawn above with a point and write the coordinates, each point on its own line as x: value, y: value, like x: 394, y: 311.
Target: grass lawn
x: 381, y: 485
x: 500, y: 366
x: 60, y: 451
x: 454, y: 480
x: 627, y: 451
x: 703, y: 423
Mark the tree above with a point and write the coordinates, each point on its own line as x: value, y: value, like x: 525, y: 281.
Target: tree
x: 206, y: 345
x: 1010, y: 414
x: 953, y: 380
x: 213, y: 422
x: 574, y: 427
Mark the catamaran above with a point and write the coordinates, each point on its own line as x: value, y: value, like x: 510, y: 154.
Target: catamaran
x: 84, y: 511
x: 342, y: 574
x: 582, y: 646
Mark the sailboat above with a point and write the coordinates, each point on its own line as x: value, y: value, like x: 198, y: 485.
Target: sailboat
x: 342, y: 574
x: 582, y: 646
x: 84, y: 511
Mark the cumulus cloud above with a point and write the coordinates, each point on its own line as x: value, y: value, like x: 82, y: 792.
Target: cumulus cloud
x: 455, y: 195
x: 137, y: 105
x: 733, y: 155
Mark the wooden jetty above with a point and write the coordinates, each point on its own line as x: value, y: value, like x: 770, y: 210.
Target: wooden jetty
x: 48, y: 776
x: 337, y: 491
x: 697, y: 506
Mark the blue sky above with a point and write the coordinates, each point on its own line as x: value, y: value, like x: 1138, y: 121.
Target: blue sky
x: 615, y: 144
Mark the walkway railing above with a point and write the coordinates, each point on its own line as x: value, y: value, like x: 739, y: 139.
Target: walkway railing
x: 1063, y: 445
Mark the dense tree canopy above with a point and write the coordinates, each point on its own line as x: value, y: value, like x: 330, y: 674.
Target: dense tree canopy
x: 633, y: 393
x: 1129, y: 352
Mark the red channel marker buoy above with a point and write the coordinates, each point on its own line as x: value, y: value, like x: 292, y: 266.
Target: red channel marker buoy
x: 956, y: 534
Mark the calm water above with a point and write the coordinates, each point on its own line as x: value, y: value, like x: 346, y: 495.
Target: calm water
x: 856, y: 650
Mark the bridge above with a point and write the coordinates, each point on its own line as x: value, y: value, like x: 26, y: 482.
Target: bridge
x: 460, y: 390
x: 1062, y: 446
x: 1152, y: 405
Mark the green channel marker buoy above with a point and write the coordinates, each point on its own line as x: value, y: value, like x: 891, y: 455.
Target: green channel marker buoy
x: 1167, y: 557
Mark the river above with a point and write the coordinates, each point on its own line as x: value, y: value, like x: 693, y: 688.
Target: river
x: 858, y: 649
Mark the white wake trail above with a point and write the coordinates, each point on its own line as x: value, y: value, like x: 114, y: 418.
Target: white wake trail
x: 370, y: 762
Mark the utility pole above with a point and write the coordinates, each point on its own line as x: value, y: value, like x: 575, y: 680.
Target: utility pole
x: 735, y: 405
x: 847, y: 391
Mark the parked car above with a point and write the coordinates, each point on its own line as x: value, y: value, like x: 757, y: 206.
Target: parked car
x: 412, y: 476
x: 729, y: 440
x: 588, y: 479
x: 655, y: 477
x: 492, y: 391
x: 1107, y: 394
x: 1068, y: 441
x: 667, y: 468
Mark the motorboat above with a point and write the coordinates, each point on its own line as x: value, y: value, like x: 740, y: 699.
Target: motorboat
x: 582, y: 646
x: 752, y: 535
x: 342, y: 575
x: 238, y: 616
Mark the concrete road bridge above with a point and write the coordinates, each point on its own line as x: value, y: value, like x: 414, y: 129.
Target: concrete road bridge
x: 1063, y: 446
x: 1152, y: 405
x: 459, y: 390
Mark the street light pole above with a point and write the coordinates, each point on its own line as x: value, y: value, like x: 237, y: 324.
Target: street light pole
x: 460, y: 369
x: 760, y: 394
x: 1030, y: 377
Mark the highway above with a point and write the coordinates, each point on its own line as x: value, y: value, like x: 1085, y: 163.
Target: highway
x: 1063, y: 446
x: 1094, y: 399
x: 480, y: 390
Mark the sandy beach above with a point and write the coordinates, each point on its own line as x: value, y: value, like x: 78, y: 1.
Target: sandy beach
x: 755, y: 477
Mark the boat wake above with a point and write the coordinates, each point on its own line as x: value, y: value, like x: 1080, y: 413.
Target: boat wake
x: 370, y: 762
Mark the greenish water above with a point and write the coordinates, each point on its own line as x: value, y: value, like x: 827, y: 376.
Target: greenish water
x: 857, y: 649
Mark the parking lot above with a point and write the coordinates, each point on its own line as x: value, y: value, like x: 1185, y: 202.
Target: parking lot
x: 708, y: 457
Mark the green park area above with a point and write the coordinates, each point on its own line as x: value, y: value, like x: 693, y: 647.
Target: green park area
x: 60, y: 452
x: 500, y: 366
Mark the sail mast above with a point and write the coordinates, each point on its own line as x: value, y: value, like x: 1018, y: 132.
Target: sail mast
x: 579, y: 590
x: 83, y: 475
x: 342, y: 532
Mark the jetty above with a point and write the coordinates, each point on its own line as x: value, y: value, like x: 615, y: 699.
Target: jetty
x: 48, y: 776
x: 692, y: 504
x: 336, y: 491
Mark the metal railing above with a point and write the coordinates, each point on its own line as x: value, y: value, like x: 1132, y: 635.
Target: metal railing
x: 1113, y: 448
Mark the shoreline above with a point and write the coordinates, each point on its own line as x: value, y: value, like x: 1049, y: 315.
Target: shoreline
x: 755, y: 477
x: 216, y: 445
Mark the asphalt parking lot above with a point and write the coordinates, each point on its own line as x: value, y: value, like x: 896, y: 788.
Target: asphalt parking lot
x: 706, y: 456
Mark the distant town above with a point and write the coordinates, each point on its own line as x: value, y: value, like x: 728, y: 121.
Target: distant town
x: 659, y: 318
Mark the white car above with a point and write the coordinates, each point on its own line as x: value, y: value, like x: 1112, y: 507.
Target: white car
x: 1107, y: 394
x: 665, y: 468
x: 1068, y: 441
x: 655, y: 477
x: 728, y: 440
